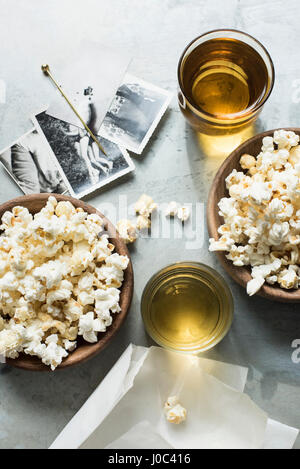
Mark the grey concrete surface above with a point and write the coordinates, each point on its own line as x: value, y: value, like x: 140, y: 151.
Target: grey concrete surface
x: 35, y: 407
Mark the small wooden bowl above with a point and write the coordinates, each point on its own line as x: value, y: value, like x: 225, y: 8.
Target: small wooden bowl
x: 218, y: 190
x: 84, y: 350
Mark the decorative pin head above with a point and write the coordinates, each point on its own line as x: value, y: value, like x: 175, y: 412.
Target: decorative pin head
x: 45, y: 68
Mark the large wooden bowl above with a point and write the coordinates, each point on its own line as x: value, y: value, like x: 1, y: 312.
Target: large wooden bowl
x: 84, y: 350
x: 218, y: 190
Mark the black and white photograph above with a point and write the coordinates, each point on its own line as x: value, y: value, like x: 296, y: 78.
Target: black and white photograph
x: 91, y: 85
x: 134, y: 114
x: 30, y: 163
x: 84, y: 166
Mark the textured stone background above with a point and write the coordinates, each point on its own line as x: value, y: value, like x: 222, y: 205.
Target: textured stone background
x: 35, y: 407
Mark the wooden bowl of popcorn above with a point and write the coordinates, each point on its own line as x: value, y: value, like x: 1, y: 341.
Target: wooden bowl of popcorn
x: 76, y: 299
x: 253, y: 215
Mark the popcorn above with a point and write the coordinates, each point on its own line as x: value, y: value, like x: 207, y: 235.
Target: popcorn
x: 285, y: 139
x: 127, y: 231
x: 183, y: 214
x: 102, y: 248
x: 9, y: 340
x: 174, y: 411
x: 51, y: 354
x: 51, y: 273
x: 267, y: 144
x: 61, y: 293
x: 112, y: 271
x: 288, y: 278
x: 73, y: 310
x: 88, y: 326
x: 172, y: 209
x: 85, y: 298
x: 254, y: 285
x: 69, y: 345
x: 145, y: 205
x: 107, y: 301
x: 261, y: 216
x: 247, y: 161
x: 143, y: 223
x: 278, y: 233
x: 59, y: 279
x: 223, y: 244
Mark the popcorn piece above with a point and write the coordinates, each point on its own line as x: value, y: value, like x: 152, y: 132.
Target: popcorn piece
x: 127, y: 231
x: 223, y: 244
x: 143, y: 223
x: 51, y: 354
x: 174, y: 411
x: 145, y: 205
x: 183, y: 214
x: 101, y: 249
x: 61, y: 293
x: 288, y: 278
x: 278, y: 233
x: 88, y: 326
x: 112, y: 271
x: 120, y: 262
x: 267, y: 144
x: 9, y: 340
x: 85, y: 298
x: 247, y: 161
x: 107, y: 301
x: 254, y: 285
x: 172, y: 209
x: 294, y: 156
x: 86, y: 281
x: 65, y: 208
x: 285, y: 139
x: 69, y: 345
x: 51, y: 272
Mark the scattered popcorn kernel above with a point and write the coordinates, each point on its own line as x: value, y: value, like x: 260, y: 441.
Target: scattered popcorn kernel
x: 174, y: 411
x: 172, y: 209
x: 143, y: 223
x: 145, y: 205
x: 127, y: 231
x: 183, y: 213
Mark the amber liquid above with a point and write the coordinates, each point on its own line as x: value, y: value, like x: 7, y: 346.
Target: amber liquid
x: 184, y: 313
x: 223, y: 77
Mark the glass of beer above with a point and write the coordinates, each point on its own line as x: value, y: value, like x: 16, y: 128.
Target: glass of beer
x: 187, y: 307
x: 225, y: 77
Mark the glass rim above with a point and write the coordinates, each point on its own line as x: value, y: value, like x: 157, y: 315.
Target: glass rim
x: 249, y: 109
x: 156, y: 279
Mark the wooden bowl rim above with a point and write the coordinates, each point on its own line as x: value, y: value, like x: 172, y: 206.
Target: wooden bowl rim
x: 84, y: 351
x: 242, y: 274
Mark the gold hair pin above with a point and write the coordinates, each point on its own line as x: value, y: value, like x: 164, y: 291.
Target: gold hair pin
x: 46, y: 70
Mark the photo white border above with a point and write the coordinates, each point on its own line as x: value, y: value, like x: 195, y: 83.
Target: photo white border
x: 145, y: 84
x: 93, y: 188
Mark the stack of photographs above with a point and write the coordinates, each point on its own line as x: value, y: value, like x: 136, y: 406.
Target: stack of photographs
x: 60, y: 157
